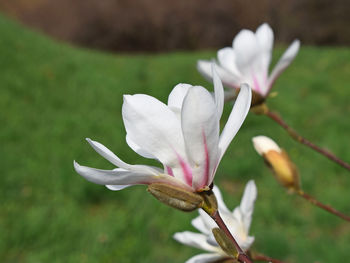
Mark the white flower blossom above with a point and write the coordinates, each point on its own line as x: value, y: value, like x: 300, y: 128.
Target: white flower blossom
x: 183, y: 135
x: 248, y: 60
x: 238, y: 222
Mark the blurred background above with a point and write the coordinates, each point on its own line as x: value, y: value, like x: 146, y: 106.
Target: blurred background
x: 57, y: 88
x: 162, y: 25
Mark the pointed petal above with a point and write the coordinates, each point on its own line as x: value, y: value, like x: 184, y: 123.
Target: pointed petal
x: 218, y: 91
x: 110, y: 156
x: 247, y: 204
x: 227, y: 57
x: 177, y: 95
x: 114, y: 177
x: 236, y: 118
x: 228, y: 79
x: 195, y: 240
x: 264, y: 37
x: 155, y: 128
x: 218, y: 195
x: 205, y: 258
x: 284, y: 61
x: 200, y: 126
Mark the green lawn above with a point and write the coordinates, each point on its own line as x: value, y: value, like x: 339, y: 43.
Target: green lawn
x: 52, y: 96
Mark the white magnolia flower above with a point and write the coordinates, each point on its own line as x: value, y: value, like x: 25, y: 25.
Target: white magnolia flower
x: 248, y: 60
x: 238, y: 222
x: 182, y: 135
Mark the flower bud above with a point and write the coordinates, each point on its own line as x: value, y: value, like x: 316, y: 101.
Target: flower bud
x: 176, y: 197
x: 279, y: 162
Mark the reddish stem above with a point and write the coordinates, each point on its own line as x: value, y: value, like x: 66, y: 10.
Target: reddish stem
x: 299, y: 138
x: 241, y: 257
x: 323, y: 206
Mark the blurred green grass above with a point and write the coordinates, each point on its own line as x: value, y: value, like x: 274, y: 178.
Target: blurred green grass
x: 53, y: 96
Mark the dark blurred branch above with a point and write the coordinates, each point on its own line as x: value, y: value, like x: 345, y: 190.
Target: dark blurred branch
x: 327, y: 208
x: 297, y: 137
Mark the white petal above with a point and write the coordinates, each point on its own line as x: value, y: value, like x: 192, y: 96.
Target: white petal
x: 199, y: 224
x: 247, y: 204
x: 263, y: 144
x: 218, y: 91
x: 284, y: 61
x: 195, y: 240
x: 177, y: 95
x: 205, y: 258
x: 200, y: 126
x: 247, y: 243
x: 218, y: 195
x: 246, y: 48
x: 264, y: 37
x: 114, y: 177
x: 227, y: 57
x: 110, y: 156
x: 117, y: 187
x: 155, y: 128
x: 207, y: 220
x: 236, y: 118
x: 119, y: 177
x: 227, y: 78
x: 138, y: 149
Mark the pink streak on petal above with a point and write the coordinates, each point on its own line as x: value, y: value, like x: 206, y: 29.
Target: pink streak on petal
x: 186, y: 169
x: 256, y: 85
x: 207, y: 164
x: 170, y: 171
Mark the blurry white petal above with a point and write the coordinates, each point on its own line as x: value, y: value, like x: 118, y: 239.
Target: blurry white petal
x: 247, y: 204
x: 219, y: 199
x: 227, y: 57
x: 227, y: 78
x: 247, y: 243
x: 263, y: 144
x: 177, y: 95
x: 284, y: 61
x: 246, y: 49
x: 198, y: 223
x: 195, y: 240
x: 236, y: 118
x: 200, y: 126
x: 205, y: 258
x: 264, y: 37
x: 218, y: 91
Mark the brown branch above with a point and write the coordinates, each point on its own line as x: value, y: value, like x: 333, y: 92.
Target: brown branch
x: 323, y: 206
x: 241, y: 256
x: 274, y: 116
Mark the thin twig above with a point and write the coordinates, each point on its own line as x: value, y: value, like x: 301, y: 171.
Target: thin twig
x: 323, y: 206
x: 241, y: 257
x: 274, y: 116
